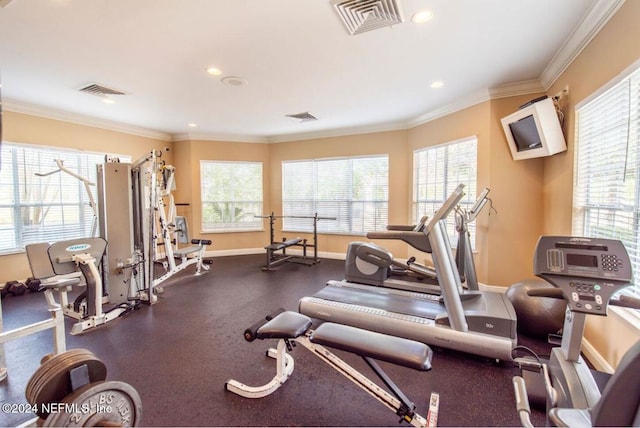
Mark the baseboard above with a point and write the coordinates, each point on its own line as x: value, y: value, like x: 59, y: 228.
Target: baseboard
x: 595, y: 358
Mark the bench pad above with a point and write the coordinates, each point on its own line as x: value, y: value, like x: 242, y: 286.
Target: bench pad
x: 383, y: 347
x: 287, y: 325
x: 281, y: 245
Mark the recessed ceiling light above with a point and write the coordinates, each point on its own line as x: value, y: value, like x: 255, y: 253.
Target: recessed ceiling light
x: 214, y: 71
x: 108, y: 101
x: 437, y: 84
x: 192, y: 125
x: 422, y: 17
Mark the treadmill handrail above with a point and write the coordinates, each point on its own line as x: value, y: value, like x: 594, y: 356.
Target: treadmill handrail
x: 452, y: 201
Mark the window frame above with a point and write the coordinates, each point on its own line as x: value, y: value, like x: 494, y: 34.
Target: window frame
x: 580, y: 222
x: 78, y: 161
x: 445, y: 187
x: 256, y: 225
x: 323, y: 206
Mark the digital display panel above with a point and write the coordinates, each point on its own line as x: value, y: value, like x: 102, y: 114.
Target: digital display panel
x: 582, y: 260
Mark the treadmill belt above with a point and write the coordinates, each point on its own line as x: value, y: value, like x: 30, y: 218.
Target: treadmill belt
x: 388, y: 302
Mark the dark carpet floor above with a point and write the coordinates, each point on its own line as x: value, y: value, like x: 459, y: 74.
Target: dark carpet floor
x: 179, y: 352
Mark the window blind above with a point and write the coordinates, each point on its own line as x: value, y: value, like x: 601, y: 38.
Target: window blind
x: 437, y: 171
x: 606, y: 199
x: 231, y: 195
x: 354, y: 190
x: 50, y: 208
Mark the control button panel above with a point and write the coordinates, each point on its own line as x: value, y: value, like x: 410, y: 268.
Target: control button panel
x: 610, y: 262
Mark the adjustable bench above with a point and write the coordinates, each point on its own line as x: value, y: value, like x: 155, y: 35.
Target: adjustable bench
x: 291, y: 327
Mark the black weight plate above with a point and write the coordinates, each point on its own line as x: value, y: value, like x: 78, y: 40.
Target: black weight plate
x: 51, y: 381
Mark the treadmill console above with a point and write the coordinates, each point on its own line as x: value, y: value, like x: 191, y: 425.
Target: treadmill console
x: 587, y: 270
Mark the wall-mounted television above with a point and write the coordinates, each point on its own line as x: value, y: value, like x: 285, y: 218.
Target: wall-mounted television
x: 534, y: 131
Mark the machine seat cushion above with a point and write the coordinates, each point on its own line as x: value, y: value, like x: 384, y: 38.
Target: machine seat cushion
x: 281, y: 245
x: 383, y: 347
x: 55, y: 283
x: 180, y: 252
x: 287, y: 325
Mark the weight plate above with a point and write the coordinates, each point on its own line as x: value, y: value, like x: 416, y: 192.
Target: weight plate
x: 51, y: 381
x: 109, y: 403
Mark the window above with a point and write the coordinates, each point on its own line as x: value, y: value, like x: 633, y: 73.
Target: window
x: 606, y: 199
x: 437, y: 171
x: 231, y: 196
x: 49, y: 208
x: 354, y: 190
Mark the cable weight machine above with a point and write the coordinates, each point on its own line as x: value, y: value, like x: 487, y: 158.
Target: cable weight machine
x: 276, y: 258
x: 139, y: 222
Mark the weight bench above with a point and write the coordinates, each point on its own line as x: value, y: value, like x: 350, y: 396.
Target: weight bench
x: 272, y: 260
x: 290, y: 327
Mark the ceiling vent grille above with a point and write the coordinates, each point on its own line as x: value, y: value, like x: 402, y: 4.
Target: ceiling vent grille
x: 359, y: 16
x: 302, y: 117
x: 99, y: 90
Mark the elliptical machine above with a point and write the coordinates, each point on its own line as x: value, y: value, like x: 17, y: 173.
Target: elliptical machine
x: 372, y: 264
x: 586, y: 273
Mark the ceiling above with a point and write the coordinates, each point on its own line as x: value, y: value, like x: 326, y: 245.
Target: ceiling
x: 284, y: 57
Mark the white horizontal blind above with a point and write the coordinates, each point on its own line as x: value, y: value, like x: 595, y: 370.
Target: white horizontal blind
x: 44, y: 209
x: 437, y: 171
x: 354, y: 190
x: 231, y: 196
x: 606, y: 199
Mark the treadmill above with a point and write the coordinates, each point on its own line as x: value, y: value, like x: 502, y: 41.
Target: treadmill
x: 482, y: 323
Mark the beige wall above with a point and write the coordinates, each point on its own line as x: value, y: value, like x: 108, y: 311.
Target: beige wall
x: 22, y: 128
x: 615, y: 48
x: 188, y: 155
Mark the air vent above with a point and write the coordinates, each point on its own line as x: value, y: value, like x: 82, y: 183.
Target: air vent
x: 359, y: 16
x: 99, y: 90
x: 302, y: 117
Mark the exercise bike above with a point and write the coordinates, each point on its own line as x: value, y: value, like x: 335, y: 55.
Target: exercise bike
x: 586, y: 272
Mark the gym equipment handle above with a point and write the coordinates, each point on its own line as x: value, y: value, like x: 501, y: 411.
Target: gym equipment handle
x: 555, y: 293
x: 626, y: 302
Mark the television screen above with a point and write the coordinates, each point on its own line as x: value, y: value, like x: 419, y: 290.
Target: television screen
x: 525, y: 134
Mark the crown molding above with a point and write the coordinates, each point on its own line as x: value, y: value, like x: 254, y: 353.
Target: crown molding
x: 65, y: 116
x: 232, y: 138
x: 465, y: 102
x: 516, y: 88
x: 340, y: 132
x: 591, y: 24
